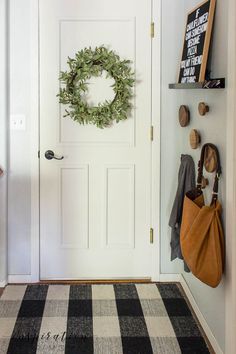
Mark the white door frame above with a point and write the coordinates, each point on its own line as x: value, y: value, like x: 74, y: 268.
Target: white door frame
x: 4, y: 113
x: 35, y: 114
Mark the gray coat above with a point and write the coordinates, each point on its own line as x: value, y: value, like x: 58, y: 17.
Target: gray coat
x: 186, y: 182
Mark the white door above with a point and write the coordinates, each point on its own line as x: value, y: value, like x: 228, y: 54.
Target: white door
x: 95, y: 204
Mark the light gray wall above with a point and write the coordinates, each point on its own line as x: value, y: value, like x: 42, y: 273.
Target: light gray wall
x: 19, y: 162
x: 3, y: 140
x: 175, y: 140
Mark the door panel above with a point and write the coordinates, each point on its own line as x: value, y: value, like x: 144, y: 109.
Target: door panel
x: 74, y: 202
x: 95, y: 203
x: 119, y: 207
x: 69, y: 130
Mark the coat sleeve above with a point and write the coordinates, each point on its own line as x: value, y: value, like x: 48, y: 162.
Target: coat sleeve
x: 186, y: 182
x: 178, y: 201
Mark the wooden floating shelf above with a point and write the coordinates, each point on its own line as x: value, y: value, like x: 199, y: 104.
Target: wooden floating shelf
x: 207, y: 84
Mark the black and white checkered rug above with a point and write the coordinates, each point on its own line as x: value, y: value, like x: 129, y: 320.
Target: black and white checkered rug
x: 100, y: 319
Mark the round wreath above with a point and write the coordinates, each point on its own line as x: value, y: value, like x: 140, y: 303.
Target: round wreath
x: 88, y: 63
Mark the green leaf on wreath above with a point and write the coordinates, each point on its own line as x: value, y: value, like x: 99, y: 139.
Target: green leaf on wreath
x: 88, y: 63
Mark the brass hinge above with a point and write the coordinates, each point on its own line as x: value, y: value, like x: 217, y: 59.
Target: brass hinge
x: 39, y: 154
x: 152, y: 30
x: 151, y: 132
x: 151, y: 235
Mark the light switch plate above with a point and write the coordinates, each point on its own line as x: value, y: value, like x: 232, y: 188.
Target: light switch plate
x: 17, y: 122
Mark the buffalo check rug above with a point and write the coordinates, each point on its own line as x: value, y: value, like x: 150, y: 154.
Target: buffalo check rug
x: 100, y: 319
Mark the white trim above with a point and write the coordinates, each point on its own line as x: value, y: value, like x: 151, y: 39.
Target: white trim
x: 200, y: 316
x: 34, y: 114
x: 19, y: 279
x: 170, y: 277
x: 155, y: 188
x: 3, y: 283
x: 156, y: 144
x: 230, y: 283
x: 4, y: 114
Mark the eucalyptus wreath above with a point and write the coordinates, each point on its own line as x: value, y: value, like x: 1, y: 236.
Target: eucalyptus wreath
x: 86, y: 64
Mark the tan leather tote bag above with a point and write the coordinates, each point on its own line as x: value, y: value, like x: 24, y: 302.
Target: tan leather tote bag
x: 201, y: 234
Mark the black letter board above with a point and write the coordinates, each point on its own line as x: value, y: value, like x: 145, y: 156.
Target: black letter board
x: 196, y: 42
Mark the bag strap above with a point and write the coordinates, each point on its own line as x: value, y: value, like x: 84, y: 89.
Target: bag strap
x: 218, y: 170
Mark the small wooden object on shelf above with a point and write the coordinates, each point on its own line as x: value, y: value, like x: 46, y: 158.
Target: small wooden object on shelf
x: 184, y: 116
x: 203, y: 108
x: 194, y: 139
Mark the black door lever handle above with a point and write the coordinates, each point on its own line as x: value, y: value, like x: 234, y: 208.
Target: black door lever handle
x: 49, y: 154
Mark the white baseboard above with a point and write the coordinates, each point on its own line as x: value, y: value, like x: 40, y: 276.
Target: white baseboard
x: 200, y: 316
x: 19, y: 278
x: 3, y: 284
x: 170, y: 277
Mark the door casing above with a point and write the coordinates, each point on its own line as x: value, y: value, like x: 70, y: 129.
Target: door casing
x: 35, y: 139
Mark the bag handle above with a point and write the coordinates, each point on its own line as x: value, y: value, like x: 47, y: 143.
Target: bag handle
x: 218, y: 170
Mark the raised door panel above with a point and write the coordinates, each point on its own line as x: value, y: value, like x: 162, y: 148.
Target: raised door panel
x: 119, y: 206
x: 74, y: 207
x: 77, y: 34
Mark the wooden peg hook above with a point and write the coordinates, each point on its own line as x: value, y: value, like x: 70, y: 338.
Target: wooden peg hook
x: 203, y: 108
